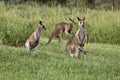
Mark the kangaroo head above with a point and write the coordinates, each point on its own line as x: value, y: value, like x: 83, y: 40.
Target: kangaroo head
x: 72, y: 21
x: 81, y: 21
x: 41, y: 25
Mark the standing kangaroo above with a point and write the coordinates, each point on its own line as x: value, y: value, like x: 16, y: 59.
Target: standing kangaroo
x: 76, y: 43
x: 33, y: 40
x: 60, y: 28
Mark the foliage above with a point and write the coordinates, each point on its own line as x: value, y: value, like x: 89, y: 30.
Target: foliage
x: 107, y: 6
x: 17, y: 22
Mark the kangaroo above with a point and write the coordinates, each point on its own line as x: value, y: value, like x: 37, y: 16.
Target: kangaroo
x: 75, y: 45
x: 33, y: 40
x: 60, y: 28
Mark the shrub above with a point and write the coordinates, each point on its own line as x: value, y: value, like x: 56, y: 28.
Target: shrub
x: 19, y: 21
x: 15, y: 34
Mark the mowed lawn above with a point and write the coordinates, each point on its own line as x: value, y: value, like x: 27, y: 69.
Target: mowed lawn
x: 50, y: 62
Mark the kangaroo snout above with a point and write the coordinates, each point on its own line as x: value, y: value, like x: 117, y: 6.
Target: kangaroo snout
x: 44, y: 28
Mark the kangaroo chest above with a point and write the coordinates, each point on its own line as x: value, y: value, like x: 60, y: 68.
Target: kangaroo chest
x: 37, y: 34
x: 82, y: 35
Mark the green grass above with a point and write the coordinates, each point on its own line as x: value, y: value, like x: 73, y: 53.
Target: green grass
x: 17, y: 22
x: 50, y: 62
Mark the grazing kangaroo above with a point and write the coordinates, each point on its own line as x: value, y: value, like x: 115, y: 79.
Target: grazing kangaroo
x: 60, y: 28
x: 33, y: 40
x: 76, y: 43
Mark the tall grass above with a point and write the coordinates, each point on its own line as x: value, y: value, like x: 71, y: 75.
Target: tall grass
x: 17, y: 22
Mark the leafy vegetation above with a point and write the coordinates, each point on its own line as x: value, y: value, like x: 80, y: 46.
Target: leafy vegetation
x: 17, y: 22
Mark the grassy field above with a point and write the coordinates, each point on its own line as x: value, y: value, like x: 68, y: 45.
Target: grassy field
x: 50, y: 62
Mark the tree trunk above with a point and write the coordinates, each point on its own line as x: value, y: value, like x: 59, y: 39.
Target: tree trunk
x: 93, y: 3
x: 76, y: 2
x: 113, y: 5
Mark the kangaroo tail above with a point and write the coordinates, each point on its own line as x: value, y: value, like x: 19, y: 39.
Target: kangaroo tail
x: 50, y: 38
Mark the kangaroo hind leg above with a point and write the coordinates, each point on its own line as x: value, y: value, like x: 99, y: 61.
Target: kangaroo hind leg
x: 27, y: 45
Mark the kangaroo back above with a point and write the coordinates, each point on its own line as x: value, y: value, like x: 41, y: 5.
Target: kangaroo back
x: 60, y: 28
x: 33, y: 40
x: 72, y: 47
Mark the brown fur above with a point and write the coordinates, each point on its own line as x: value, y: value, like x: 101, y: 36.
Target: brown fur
x: 60, y: 28
x: 76, y: 43
x: 33, y: 40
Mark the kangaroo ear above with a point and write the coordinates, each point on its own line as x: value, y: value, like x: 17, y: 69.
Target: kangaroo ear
x: 83, y: 18
x: 78, y: 19
x: 70, y: 19
x: 40, y: 22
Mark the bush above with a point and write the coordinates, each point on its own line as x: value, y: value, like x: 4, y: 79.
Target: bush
x: 19, y: 21
x: 106, y: 6
x: 15, y: 34
x: 104, y: 27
